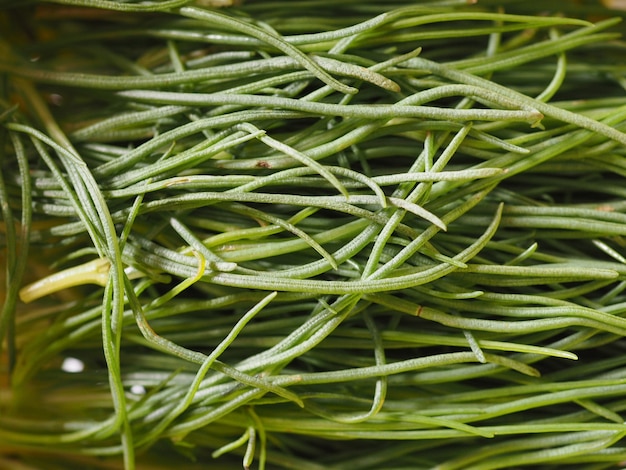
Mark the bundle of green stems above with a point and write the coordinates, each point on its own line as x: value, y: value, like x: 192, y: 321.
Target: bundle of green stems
x: 312, y: 235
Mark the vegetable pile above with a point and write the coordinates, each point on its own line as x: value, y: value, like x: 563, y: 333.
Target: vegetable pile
x: 313, y: 235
